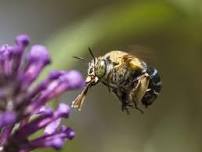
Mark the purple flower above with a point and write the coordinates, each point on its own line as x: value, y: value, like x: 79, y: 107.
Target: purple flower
x: 23, y: 103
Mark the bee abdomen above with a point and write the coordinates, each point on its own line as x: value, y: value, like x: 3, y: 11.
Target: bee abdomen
x: 154, y: 86
x: 155, y: 79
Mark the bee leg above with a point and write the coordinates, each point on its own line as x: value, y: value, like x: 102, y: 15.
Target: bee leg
x: 137, y: 108
x: 124, y: 100
x: 124, y: 107
x: 134, y: 101
x: 109, y: 88
x: 139, y: 90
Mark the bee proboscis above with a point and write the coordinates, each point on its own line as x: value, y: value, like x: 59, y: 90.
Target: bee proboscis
x: 132, y: 80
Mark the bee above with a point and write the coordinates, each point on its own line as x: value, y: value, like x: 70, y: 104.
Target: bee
x: 133, y: 81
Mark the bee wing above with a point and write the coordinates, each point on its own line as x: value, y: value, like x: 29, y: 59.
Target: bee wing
x: 142, y: 52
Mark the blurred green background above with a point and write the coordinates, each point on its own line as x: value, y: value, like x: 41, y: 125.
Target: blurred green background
x: 168, y: 34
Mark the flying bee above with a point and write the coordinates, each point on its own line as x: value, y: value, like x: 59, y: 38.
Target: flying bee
x: 128, y: 77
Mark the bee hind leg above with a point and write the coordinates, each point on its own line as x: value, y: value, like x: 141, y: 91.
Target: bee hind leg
x: 137, y: 93
x: 137, y: 108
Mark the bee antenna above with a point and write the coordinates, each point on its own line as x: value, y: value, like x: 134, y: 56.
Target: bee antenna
x: 79, y: 58
x: 91, y: 53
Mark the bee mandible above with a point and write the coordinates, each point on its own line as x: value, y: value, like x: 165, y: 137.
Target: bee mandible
x: 132, y: 80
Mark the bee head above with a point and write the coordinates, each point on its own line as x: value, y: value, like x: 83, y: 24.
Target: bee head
x: 97, y: 68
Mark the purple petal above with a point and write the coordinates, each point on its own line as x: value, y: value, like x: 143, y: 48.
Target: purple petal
x: 22, y: 40
x: 62, y: 110
x: 39, y: 53
x: 70, y: 134
x: 55, y: 74
x: 7, y: 118
x: 51, y: 128
x: 63, y: 81
x: 28, y: 102
x: 45, y: 111
x: 37, y: 59
x: 73, y: 79
x: 47, y: 141
x: 55, y: 140
x: 42, y: 121
x: 34, y: 125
